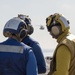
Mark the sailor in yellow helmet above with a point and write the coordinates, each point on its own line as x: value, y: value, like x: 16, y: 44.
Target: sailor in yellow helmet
x: 63, y: 62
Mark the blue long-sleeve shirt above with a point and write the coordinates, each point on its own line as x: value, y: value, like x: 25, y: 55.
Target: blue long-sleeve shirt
x: 16, y: 59
x: 37, y: 52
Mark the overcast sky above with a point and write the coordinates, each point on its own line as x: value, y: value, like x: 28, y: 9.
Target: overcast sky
x: 38, y: 10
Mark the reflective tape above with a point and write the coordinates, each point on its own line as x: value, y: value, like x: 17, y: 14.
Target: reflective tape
x: 9, y: 48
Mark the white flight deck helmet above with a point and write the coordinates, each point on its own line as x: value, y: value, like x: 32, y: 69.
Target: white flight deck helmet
x: 55, y: 20
x: 27, y: 20
x: 14, y: 26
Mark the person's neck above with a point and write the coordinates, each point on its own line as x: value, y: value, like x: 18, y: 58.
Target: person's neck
x: 16, y: 38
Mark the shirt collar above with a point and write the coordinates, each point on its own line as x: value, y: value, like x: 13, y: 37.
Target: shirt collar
x: 63, y: 35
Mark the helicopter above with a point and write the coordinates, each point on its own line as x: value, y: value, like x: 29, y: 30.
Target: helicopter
x: 41, y: 27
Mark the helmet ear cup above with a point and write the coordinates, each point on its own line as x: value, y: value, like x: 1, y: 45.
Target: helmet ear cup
x: 30, y: 30
x: 23, y: 33
x: 56, y: 30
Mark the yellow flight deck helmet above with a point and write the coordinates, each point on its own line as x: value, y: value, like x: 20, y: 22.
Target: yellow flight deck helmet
x: 55, y: 19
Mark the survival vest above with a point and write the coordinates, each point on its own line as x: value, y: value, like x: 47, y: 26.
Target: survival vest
x: 68, y: 41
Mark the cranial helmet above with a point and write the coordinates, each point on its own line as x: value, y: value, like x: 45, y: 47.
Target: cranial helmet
x: 27, y: 20
x: 56, y: 20
x: 15, y: 26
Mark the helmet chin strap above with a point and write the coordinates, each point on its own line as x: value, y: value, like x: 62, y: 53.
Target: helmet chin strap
x: 54, y: 36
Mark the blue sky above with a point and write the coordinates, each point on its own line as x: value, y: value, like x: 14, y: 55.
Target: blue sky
x: 38, y: 10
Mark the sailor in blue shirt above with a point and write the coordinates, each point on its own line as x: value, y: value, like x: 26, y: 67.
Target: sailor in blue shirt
x: 16, y: 58
x: 34, y: 44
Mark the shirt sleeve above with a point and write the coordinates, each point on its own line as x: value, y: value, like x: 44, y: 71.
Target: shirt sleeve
x: 39, y: 58
x: 31, y: 68
x: 63, y: 58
